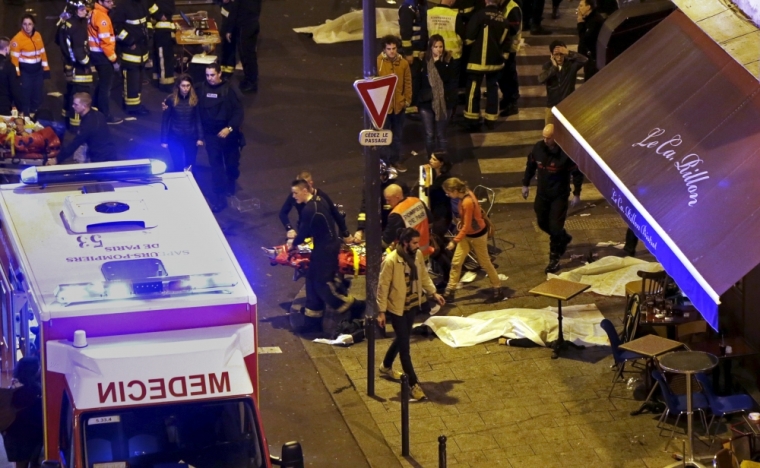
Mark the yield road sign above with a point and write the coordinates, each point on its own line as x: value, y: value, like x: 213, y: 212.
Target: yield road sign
x: 375, y: 137
x: 376, y: 95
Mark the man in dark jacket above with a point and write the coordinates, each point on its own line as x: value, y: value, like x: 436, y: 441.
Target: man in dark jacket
x: 10, y: 87
x: 130, y: 22
x: 318, y: 221
x: 72, y: 39
x: 412, y: 21
x: 291, y: 203
x: 487, y: 33
x: 590, y: 22
x: 559, y: 75
x: 243, y: 19
x: 554, y: 169
x: 221, y: 117
x: 93, y: 131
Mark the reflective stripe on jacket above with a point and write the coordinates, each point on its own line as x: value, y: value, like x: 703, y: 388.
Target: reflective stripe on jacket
x: 442, y: 20
x: 514, y: 25
x: 414, y: 214
x: 28, y: 51
x: 101, y: 37
x: 487, y: 32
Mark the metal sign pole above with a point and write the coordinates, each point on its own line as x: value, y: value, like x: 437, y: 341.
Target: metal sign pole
x: 372, y: 197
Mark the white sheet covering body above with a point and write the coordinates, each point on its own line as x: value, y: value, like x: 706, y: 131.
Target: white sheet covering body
x: 580, y: 326
x: 350, y: 27
x: 609, y: 275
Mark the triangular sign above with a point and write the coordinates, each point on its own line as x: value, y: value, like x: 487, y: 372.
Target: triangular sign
x: 376, y: 95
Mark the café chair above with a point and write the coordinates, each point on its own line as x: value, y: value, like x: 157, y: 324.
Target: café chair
x: 725, y: 459
x: 652, y: 285
x: 676, y: 404
x: 621, y: 357
x: 631, y: 319
x: 723, y: 406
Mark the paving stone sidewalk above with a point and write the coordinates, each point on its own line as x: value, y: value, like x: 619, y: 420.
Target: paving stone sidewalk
x: 499, y: 405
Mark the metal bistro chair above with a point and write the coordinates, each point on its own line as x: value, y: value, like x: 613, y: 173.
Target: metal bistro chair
x: 631, y: 319
x: 723, y: 406
x: 620, y: 356
x: 676, y: 404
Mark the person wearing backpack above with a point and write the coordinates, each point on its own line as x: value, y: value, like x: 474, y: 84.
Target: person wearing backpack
x: 23, y: 438
x: 472, y: 236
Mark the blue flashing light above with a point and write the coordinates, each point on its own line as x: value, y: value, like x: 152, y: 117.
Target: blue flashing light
x: 105, y: 171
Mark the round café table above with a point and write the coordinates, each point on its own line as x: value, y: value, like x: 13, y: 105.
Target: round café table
x: 688, y: 363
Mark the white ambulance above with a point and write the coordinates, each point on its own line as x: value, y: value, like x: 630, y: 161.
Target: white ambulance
x: 145, y: 323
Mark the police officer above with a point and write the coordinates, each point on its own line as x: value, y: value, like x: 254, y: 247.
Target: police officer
x: 130, y: 19
x: 244, y: 20
x: 163, y: 44
x: 322, y: 284
x: 92, y: 131
x: 508, y: 82
x: 487, y: 32
x: 449, y: 23
x: 229, y: 39
x: 554, y: 169
x: 72, y: 39
x: 102, y: 44
x: 10, y: 87
x: 221, y: 117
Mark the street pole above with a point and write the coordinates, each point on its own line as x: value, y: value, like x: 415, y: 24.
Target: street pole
x: 372, y: 195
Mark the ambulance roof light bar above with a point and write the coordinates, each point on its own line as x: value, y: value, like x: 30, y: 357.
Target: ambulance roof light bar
x: 147, y: 288
x: 116, y: 170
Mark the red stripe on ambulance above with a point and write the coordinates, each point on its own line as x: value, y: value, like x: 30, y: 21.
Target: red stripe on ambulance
x: 161, y: 389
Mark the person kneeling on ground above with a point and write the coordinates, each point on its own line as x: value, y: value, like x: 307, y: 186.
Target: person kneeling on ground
x: 403, y: 279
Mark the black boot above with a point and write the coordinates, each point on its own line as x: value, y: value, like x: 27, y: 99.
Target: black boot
x: 553, y: 265
x: 509, y: 109
x: 555, y: 12
x: 565, y: 242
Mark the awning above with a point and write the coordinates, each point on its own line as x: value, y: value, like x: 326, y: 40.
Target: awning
x: 669, y: 133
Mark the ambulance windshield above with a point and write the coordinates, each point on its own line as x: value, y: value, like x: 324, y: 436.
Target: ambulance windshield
x: 216, y: 434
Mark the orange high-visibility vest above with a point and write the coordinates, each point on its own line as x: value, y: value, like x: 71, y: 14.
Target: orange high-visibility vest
x: 414, y: 214
x: 100, y: 31
x: 28, y: 51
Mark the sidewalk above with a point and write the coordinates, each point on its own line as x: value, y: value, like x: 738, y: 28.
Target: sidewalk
x: 503, y: 406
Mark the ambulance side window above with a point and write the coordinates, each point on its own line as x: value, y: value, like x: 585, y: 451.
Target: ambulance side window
x: 66, y: 437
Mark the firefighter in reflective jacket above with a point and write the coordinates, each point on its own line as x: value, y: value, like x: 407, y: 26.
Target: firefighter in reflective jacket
x: 508, y: 84
x: 102, y: 42
x: 412, y: 21
x: 163, y: 44
x: 407, y: 212
x: 487, y: 33
x: 72, y: 39
x: 130, y: 18
x: 229, y: 39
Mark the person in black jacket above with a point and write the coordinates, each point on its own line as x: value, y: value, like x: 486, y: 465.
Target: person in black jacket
x: 590, y: 22
x: 243, y: 19
x: 73, y: 41
x: 23, y: 438
x: 221, y: 116
x: 318, y: 220
x: 559, y: 75
x: 93, y: 131
x: 130, y: 23
x: 555, y: 169
x: 181, y: 130
x: 228, y: 32
x: 437, y: 93
x: 487, y: 32
x: 10, y: 87
x: 291, y: 203
x: 440, y: 211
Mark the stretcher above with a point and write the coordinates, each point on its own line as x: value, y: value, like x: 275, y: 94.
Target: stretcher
x: 352, y: 259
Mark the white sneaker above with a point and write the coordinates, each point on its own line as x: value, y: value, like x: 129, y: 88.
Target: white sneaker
x: 435, y: 309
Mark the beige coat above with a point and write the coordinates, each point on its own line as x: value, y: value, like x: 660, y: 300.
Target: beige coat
x: 391, y: 292
x: 402, y: 95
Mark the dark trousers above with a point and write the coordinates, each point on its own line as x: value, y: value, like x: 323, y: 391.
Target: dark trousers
x: 394, y: 123
x: 330, y: 291
x: 435, y: 130
x: 229, y: 55
x: 103, y: 89
x: 550, y: 216
x: 508, y: 82
x: 183, y: 151
x: 132, y: 86
x: 249, y: 37
x: 472, y: 111
x: 32, y: 88
x: 401, y: 346
x: 224, y: 159
x: 533, y: 13
x: 631, y: 241
x: 163, y: 58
